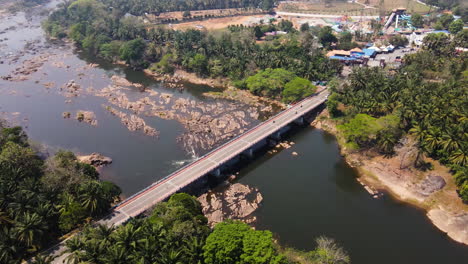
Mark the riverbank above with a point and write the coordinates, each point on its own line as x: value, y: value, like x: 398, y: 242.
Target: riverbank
x: 227, y: 91
x: 433, y: 190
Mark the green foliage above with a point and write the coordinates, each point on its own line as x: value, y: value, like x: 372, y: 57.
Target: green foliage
x: 177, y: 232
x: 35, y: 206
x: 132, y: 51
x: 186, y: 13
x: 85, y: 10
x: 78, y: 32
x: 269, y: 82
x: 110, y: 51
x: 101, y: 28
x: 366, y: 131
x: 461, y: 39
x: 326, y: 36
x: 305, y: 27
x: 174, y: 233
x: 297, y: 89
x: 456, y: 26
x: 346, y: 41
x: 286, y: 25
x: 258, y: 32
x: 15, y: 135
x: 139, y: 7
x: 235, y: 242
x: 444, y: 21
x: 437, y: 43
x: 54, y: 29
x: 164, y: 65
x: 198, y: 64
x: 417, y: 20
x: 398, y: 41
x: 428, y: 95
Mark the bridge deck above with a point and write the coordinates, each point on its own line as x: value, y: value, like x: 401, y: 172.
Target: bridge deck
x: 164, y: 188
x: 161, y: 190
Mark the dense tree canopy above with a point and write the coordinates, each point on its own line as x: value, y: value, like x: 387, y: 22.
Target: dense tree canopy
x: 139, y: 7
x: 233, y: 54
x: 40, y: 200
x: 177, y: 232
x: 236, y: 242
x: 429, y: 97
x: 417, y: 20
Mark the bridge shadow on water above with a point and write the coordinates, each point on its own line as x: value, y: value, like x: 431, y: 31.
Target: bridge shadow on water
x: 228, y: 173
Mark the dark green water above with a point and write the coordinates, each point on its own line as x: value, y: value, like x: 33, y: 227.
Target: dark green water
x: 315, y: 193
x: 305, y: 196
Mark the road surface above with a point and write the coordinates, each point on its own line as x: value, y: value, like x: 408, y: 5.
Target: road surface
x: 161, y: 190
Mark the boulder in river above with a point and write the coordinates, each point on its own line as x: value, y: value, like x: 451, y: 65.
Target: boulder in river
x: 95, y: 159
x: 238, y: 201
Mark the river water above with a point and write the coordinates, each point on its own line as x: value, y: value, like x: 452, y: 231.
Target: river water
x: 305, y: 196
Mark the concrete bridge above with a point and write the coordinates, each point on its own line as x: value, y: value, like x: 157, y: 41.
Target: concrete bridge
x: 211, y: 163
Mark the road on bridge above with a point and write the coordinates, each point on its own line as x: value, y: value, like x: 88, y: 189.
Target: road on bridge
x: 161, y: 190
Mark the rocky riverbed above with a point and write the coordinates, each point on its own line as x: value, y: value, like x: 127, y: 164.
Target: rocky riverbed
x: 207, y: 123
x: 235, y: 201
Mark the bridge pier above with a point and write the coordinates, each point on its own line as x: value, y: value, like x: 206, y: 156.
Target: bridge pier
x: 248, y: 153
x: 276, y: 135
x: 216, y: 172
x: 299, y: 121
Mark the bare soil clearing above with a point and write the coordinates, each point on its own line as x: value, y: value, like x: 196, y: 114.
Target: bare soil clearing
x: 216, y: 23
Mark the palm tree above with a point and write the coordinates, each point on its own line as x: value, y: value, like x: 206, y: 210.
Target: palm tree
x: 29, y: 228
x: 170, y: 256
x: 193, y: 248
x: 128, y: 237
x: 5, y: 218
x: 43, y: 259
x: 449, y: 143
x: 115, y: 255
x: 74, y: 249
x: 9, y: 248
x: 459, y: 157
x: 92, y: 197
x: 103, y: 232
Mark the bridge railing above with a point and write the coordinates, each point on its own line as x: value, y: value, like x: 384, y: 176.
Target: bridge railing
x: 210, y: 152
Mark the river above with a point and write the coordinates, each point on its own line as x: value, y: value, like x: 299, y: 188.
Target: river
x: 312, y: 194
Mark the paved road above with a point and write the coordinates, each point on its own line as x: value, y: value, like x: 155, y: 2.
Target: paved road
x: 159, y: 191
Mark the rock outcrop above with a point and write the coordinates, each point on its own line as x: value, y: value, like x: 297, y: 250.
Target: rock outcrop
x: 430, y: 184
x: 455, y: 225
x: 87, y: 117
x: 133, y: 122
x: 95, y: 159
x: 238, y: 201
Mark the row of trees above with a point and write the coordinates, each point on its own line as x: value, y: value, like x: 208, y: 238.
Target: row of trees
x: 41, y: 200
x: 444, y: 21
x: 235, y: 55
x: 139, y: 7
x: 177, y: 232
x: 426, y: 99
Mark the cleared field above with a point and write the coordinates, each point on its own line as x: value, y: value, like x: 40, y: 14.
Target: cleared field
x: 388, y: 5
x: 220, y: 23
x: 212, y: 12
x: 352, y: 9
x: 319, y: 7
